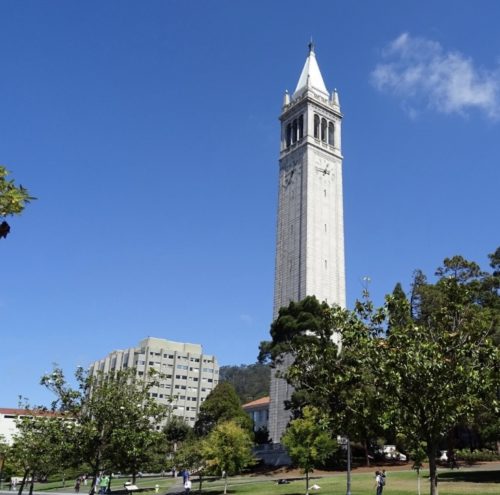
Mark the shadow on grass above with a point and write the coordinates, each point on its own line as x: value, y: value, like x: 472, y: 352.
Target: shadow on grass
x: 212, y: 491
x: 472, y: 477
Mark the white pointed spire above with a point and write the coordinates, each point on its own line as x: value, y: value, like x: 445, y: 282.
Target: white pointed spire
x: 310, y: 76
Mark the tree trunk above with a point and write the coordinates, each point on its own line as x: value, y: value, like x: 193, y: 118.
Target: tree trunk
x: 431, y: 452
x: 32, y: 484
x: 134, y: 476
x: 307, y: 482
x: 225, y: 484
x: 418, y: 481
x: 367, y: 456
x: 94, y: 479
x: 21, y: 488
x: 200, y: 478
x: 95, y: 472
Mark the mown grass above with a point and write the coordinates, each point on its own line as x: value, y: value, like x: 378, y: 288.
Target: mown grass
x: 116, y: 484
x: 463, y: 482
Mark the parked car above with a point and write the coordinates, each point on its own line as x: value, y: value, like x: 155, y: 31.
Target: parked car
x: 390, y: 452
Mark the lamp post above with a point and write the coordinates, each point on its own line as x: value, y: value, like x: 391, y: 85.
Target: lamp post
x: 348, y: 491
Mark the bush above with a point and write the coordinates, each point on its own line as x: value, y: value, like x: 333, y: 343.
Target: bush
x: 476, y: 456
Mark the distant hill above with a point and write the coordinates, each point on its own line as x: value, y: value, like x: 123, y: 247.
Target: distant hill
x: 251, y: 381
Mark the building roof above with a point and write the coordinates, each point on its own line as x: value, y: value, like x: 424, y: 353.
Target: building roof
x: 263, y: 401
x: 310, y: 76
x: 26, y: 412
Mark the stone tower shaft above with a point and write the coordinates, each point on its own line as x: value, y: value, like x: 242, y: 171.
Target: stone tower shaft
x: 310, y: 227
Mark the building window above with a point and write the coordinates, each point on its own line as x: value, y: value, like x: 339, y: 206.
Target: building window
x: 294, y: 131
x: 288, y: 135
x: 301, y: 127
x: 316, y: 126
x: 323, y: 130
x: 331, y: 133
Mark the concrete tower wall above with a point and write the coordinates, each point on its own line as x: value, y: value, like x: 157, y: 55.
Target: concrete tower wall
x: 310, y: 229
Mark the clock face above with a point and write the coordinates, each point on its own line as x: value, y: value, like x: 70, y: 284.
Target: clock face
x: 288, y: 179
x: 323, y: 167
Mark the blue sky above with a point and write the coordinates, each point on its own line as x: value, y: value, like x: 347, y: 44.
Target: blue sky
x: 149, y: 133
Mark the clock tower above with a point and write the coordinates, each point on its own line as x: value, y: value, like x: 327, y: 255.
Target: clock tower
x: 310, y: 230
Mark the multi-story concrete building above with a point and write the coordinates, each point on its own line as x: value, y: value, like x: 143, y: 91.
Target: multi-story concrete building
x: 310, y: 230
x: 188, y: 375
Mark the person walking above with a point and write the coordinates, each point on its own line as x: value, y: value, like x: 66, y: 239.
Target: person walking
x: 77, y: 485
x: 103, y: 485
x: 379, y: 482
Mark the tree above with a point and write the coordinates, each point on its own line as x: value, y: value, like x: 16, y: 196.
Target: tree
x: 190, y: 456
x: 40, y: 447
x: 222, y: 404
x: 227, y: 450
x: 436, y: 368
x: 418, y: 457
x: 440, y: 361
x: 4, y: 454
x: 337, y: 380
x: 13, y: 200
x: 115, y: 418
x: 176, y: 431
x: 308, y: 441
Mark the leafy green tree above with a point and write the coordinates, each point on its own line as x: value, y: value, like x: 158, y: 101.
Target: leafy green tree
x: 13, y: 200
x: 418, y: 456
x: 176, y: 431
x: 4, y: 455
x: 227, y: 450
x: 436, y: 369
x: 440, y: 361
x: 336, y: 379
x: 115, y: 418
x: 41, y: 445
x: 190, y: 456
x: 308, y: 441
x: 222, y: 404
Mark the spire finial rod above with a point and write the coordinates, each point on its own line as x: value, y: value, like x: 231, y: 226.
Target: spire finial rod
x: 311, y: 45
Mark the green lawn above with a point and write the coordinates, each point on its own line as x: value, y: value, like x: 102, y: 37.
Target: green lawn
x: 463, y: 481
x: 481, y: 480
x: 116, y: 484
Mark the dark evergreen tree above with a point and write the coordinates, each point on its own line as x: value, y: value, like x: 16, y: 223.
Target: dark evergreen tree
x: 222, y: 404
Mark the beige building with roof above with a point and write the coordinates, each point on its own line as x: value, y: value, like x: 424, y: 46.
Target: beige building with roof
x: 258, y: 410
x: 9, y: 418
x: 189, y: 375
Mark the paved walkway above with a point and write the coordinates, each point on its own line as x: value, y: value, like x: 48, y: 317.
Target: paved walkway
x: 27, y: 490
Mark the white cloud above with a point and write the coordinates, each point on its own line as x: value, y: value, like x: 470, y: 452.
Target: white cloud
x: 424, y: 75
